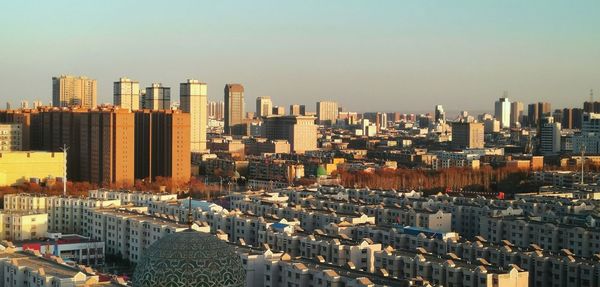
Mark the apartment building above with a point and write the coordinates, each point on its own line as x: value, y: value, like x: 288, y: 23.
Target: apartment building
x: 22, y: 224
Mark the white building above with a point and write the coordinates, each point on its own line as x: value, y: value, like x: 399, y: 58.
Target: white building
x: 502, y: 112
x: 550, y: 137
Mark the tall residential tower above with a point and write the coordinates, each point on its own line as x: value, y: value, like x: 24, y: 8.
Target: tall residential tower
x: 193, y: 100
x: 70, y: 91
x: 127, y: 94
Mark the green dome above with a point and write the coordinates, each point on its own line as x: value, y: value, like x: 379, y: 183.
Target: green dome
x: 321, y: 171
x: 189, y: 258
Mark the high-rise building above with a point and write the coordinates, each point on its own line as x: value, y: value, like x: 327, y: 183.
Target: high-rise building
x: 549, y: 137
x: 73, y: 91
x: 440, y: 115
x: 234, y: 109
x: 297, y: 110
x: 299, y: 131
x: 467, y: 135
x: 162, y: 145
x: 502, y: 112
x: 567, y: 118
x: 327, y: 112
x: 516, y: 113
x: 24, y: 105
x: 264, y: 106
x: 37, y: 104
x: 193, y: 100
x: 216, y: 109
x: 591, y: 107
x: 106, y: 153
x: 157, y: 97
x: 126, y: 94
x: 537, y: 111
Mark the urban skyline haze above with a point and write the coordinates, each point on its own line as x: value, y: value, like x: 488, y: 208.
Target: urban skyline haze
x: 401, y: 56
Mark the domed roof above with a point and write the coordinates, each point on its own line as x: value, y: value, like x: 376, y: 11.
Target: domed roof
x: 189, y: 258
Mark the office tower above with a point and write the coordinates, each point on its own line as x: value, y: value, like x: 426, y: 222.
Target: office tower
x: 577, y: 118
x: 516, y: 113
x: 193, y: 97
x: 234, y: 109
x: 126, y: 94
x: 327, y: 112
x: 37, y: 104
x: 8, y: 107
x: 73, y: 91
x: 502, y: 112
x: 467, y: 135
x: 278, y: 111
x: 264, y: 105
x: 440, y: 115
x: 549, y: 137
x: 106, y: 153
x: 24, y: 105
x: 297, y: 110
x: 162, y: 145
x: 299, y: 131
x: 157, y: 97
x: 532, y: 114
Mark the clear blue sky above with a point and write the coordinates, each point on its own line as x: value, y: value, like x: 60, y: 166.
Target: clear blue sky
x: 368, y: 55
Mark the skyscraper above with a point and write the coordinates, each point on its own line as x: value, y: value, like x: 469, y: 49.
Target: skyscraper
x: 327, y: 112
x: 299, y: 131
x: 234, y: 109
x: 73, y: 91
x: 467, y: 135
x: 516, y: 113
x: 126, y: 94
x: 440, y: 115
x: 264, y: 106
x: 157, y: 97
x: 193, y: 100
x: 502, y: 112
x: 297, y: 110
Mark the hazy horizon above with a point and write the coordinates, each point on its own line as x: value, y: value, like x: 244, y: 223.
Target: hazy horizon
x: 393, y: 56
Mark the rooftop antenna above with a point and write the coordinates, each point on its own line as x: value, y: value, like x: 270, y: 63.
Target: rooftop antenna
x: 65, y: 150
x: 189, y: 214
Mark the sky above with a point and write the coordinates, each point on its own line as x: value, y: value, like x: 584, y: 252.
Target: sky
x: 395, y: 55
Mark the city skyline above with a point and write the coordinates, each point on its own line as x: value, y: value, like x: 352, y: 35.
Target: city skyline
x: 461, y: 55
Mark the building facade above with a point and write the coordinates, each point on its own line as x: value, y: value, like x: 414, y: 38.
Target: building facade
x: 157, y: 97
x: 193, y: 100
x: 299, y: 131
x: 126, y: 94
x: 234, y: 109
x: 70, y: 91
x: 327, y: 112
